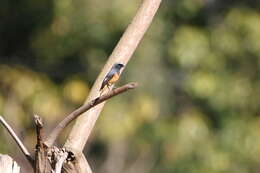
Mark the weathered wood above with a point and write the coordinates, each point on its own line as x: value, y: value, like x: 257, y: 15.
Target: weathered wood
x: 78, y: 164
x: 42, y: 164
x: 8, y: 165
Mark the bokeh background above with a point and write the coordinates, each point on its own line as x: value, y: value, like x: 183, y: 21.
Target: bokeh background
x: 197, y: 107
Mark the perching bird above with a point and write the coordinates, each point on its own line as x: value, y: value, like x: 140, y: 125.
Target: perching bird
x: 112, y: 76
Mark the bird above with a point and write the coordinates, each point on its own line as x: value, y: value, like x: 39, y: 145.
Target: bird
x: 112, y: 76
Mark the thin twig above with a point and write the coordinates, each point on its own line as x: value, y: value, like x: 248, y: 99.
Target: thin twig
x: 17, y: 140
x: 68, y: 119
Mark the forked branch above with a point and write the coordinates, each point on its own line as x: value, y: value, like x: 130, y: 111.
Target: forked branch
x: 68, y: 119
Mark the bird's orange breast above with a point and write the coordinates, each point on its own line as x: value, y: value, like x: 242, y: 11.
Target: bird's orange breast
x: 113, y: 79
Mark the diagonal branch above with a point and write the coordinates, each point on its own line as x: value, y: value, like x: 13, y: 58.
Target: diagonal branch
x: 121, y: 54
x: 17, y: 140
x: 68, y: 119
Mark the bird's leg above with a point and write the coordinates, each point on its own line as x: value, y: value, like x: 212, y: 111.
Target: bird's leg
x: 111, y: 87
x: 101, y: 92
x: 108, y: 86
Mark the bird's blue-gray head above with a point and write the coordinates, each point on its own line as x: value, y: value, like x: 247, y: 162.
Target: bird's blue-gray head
x: 118, y: 66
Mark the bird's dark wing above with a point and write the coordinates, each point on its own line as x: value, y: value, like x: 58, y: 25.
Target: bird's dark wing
x: 104, y: 83
x: 107, y: 78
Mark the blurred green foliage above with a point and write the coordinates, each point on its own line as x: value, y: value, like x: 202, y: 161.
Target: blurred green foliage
x: 197, y: 107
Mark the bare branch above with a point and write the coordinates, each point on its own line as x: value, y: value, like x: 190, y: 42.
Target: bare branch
x: 39, y: 131
x: 42, y: 164
x: 60, y: 159
x: 78, y: 165
x: 17, y: 140
x: 122, y: 53
x: 68, y: 119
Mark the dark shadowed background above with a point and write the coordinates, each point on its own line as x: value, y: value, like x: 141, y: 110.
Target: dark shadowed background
x: 196, y: 109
